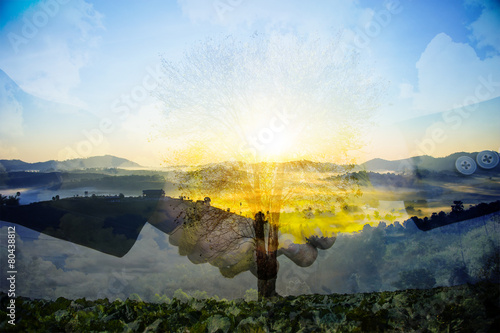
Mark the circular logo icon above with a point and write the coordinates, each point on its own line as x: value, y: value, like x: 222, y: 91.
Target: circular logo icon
x: 465, y: 165
x: 487, y: 159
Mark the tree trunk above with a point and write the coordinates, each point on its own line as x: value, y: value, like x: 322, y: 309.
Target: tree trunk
x: 267, y: 264
x: 267, y: 288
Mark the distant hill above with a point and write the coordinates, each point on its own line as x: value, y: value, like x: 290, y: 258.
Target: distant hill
x: 99, y: 162
x: 430, y: 163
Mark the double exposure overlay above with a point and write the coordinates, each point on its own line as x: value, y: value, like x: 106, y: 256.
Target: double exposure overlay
x: 297, y: 166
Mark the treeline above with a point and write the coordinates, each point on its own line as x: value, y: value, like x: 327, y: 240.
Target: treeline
x: 11, y: 200
x: 457, y: 214
x: 367, y: 178
x: 66, y: 180
x: 397, y: 180
x: 119, y: 182
x: 24, y: 179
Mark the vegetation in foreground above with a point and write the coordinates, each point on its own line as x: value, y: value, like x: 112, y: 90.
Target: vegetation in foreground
x: 465, y: 308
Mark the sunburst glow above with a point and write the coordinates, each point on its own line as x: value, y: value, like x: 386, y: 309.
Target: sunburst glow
x: 275, y: 98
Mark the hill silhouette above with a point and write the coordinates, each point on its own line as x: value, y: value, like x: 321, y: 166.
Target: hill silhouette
x: 102, y: 162
x: 436, y: 164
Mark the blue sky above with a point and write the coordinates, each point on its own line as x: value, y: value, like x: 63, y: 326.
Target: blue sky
x: 91, y: 55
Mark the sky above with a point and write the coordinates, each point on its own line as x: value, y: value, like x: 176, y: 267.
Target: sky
x: 87, y: 73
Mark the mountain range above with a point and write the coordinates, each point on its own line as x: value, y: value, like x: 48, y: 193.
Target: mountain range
x: 418, y: 162
x: 99, y: 162
x: 436, y: 164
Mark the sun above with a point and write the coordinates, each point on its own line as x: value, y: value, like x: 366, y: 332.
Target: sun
x: 268, y: 139
x: 280, y: 147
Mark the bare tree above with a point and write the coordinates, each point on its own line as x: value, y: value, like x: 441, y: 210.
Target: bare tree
x: 256, y: 107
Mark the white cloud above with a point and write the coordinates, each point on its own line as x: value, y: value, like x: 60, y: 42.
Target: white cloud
x: 84, y: 272
x: 279, y: 14
x: 485, y: 30
x: 233, y: 12
x: 49, y: 47
x: 198, y: 10
x: 143, y: 125
x: 449, y: 74
x: 406, y: 90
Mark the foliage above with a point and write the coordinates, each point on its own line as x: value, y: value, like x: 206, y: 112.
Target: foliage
x: 464, y: 308
x: 11, y: 200
x: 457, y: 214
x: 129, y: 182
x: 251, y: 295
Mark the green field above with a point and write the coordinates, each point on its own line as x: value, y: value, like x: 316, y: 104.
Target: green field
x: 466, y: 308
